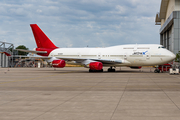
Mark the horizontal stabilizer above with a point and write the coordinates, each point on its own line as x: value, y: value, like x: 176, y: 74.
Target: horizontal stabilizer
x: 31, y: 51
x: 36, y: 57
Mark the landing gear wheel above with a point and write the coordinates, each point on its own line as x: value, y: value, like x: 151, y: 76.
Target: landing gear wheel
x: 111, y: 70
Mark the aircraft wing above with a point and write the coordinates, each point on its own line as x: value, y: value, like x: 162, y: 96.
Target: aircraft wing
x: 104, y: 61
x: 107, y: 61
x: 31, y: 51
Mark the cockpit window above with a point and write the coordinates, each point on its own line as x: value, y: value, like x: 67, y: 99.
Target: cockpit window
x: 161, y: 47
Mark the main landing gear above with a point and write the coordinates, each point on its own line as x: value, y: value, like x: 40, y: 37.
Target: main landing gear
x: 156, y: 71
x: 111, y: 70
x: 95, y: 70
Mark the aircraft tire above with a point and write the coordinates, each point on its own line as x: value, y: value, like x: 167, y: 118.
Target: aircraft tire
x: 111, y: 70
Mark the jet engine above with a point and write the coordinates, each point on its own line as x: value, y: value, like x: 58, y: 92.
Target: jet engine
x: 58, y: 63
x: 95, y: 66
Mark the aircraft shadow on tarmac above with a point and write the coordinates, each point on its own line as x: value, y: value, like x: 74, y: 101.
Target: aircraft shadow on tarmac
x: 86, y: 71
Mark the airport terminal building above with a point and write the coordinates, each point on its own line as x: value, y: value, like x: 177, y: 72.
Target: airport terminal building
x: 169, y: 19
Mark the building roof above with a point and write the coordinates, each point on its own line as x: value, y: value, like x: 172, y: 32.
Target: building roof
x: 163, y: 10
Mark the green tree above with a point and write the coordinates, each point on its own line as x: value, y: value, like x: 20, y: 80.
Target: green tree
x: 177, y: 59
x: 22, y: 47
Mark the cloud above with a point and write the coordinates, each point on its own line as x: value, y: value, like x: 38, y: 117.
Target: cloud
x: 96, y: 23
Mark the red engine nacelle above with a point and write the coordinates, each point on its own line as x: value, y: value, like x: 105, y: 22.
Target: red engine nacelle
x: 96, y: 66
x: 58, y: 63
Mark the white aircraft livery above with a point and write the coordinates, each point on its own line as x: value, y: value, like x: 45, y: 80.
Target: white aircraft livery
x: 134, y: 56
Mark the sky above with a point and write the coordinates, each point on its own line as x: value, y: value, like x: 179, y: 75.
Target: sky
x: 80, y: 23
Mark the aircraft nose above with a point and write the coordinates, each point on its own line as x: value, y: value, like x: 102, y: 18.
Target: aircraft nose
x: 173, y: 56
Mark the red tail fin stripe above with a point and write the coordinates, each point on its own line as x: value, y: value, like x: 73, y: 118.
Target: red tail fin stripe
x: 41, y: 39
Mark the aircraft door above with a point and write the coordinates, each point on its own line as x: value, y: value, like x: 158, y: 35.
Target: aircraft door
x: 147, y: 56
x: 79, y: 54
x: 125, y: 56
x: 99, y: 55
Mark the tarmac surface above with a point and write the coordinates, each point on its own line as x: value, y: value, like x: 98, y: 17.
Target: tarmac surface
x: 72, y: 93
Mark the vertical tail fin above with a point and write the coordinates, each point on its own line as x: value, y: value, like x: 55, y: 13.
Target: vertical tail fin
x: 41, y: 39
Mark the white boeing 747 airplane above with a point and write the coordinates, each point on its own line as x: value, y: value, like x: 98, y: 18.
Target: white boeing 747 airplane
x: 133, y: 56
